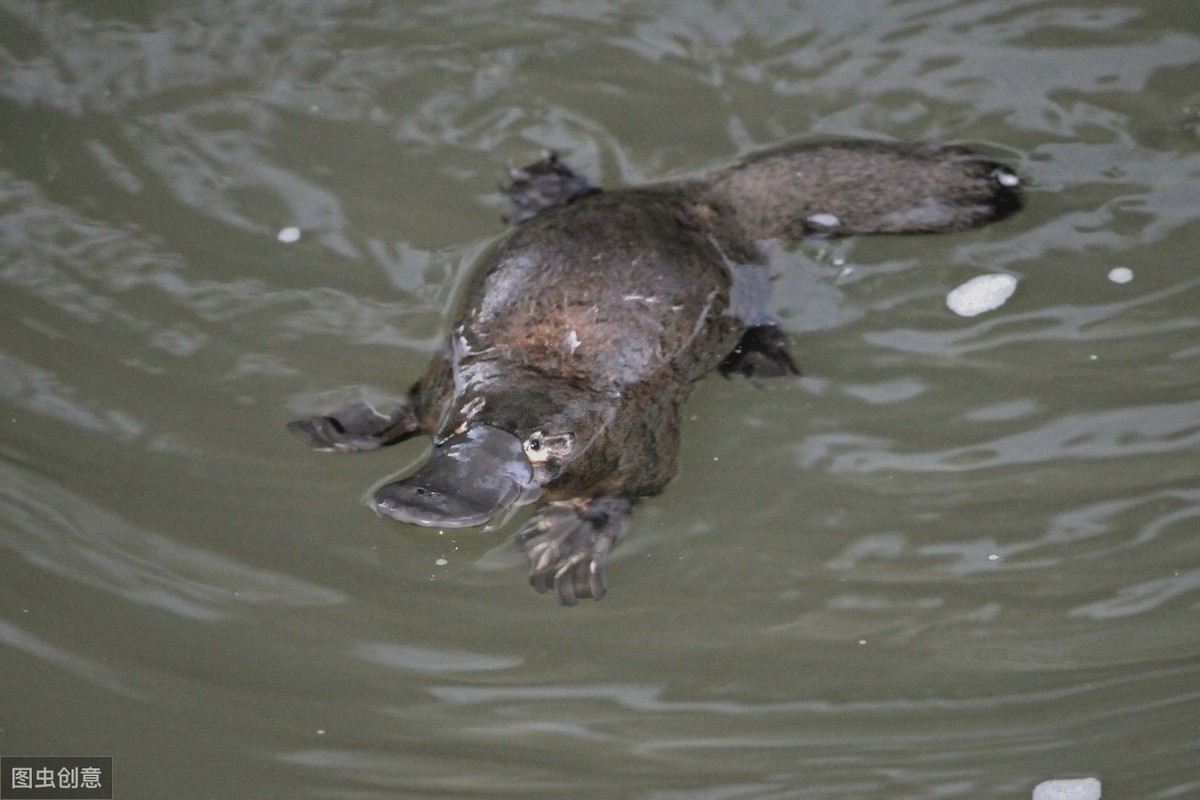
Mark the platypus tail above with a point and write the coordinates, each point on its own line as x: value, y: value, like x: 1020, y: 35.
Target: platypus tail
x: 857, y: 187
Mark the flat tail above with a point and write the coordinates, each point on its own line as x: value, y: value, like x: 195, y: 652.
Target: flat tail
x: 865, y: 187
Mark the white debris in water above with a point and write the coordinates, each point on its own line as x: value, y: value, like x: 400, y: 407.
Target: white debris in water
x: 1080, y: 789
x: 981, y: 293
x: 441, y: 562
x: 1006, y: 178
x: 289, y: 234
x: 1120, y: 275
x: 825, y: 220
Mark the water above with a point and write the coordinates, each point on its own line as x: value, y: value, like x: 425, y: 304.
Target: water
x: 955, y: 559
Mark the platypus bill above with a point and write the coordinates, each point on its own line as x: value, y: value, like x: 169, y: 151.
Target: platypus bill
x: 581, y: 335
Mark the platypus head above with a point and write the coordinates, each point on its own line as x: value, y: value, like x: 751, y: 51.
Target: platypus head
x: 500, y: 450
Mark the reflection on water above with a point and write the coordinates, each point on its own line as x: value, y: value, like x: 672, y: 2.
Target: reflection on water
x: 1125, y: 432
x: 422, y: 659
x: 57, y: 657
x: 956, y: 558
x: 73, y: 539
x: 1071, y: 324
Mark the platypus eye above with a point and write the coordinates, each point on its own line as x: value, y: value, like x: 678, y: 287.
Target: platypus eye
x: 534, y: 448
x: 540, y: 446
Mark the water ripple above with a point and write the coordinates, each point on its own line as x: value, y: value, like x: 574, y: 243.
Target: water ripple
x: 89, y: 669
x: 66, y: 535
x: 1118, y: 433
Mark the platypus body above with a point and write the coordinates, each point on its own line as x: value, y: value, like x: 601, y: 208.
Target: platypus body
x: 581, y: 336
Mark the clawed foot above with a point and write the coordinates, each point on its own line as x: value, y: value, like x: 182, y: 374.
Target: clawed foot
x: 355, y: 428
x: 762, y: 353
x: 547, y: 184
x: 568, y: 544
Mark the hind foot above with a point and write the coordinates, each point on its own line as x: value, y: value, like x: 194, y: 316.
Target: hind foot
x: 762, y: 353
x: 547, y: 184
x: 568, y: 543
x: 355, y: 428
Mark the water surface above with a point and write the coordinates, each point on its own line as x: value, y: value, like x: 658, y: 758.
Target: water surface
x: 957, y: 557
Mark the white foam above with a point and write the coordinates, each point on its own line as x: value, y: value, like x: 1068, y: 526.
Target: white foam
x: 981, y: 293
x: 1079, y: 789
x: 289, y: 234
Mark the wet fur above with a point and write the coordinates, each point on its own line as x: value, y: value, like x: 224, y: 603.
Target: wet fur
x: 603, y: 308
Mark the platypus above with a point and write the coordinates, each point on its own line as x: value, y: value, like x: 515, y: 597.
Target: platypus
x: 583, y: 332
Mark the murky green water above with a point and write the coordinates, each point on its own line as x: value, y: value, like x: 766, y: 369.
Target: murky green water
x: 958, y: 557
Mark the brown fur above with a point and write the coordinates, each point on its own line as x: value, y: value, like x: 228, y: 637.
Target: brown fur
x: 594, y: 319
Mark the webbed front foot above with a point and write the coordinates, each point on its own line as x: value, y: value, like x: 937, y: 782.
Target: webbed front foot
x: 355, y: 428
x: 544, y: 185
x: 762, y: 353
x: 568, y: 544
